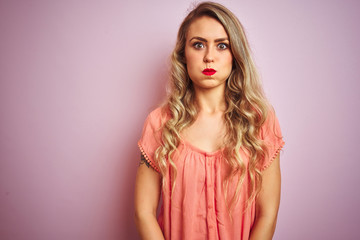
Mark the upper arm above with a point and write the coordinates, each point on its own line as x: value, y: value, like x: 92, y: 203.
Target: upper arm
x: 147, y: 190
x: 268, y: 200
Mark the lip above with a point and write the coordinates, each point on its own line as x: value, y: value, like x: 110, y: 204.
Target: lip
x: 209, y: 71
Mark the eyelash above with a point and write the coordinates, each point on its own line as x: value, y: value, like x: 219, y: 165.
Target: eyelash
x: 226, y: 46
x: 196, y: 45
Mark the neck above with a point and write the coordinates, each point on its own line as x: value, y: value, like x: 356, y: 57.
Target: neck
x: 210, y: 100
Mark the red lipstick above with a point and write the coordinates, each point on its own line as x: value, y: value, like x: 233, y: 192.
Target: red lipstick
x: 209, y: 71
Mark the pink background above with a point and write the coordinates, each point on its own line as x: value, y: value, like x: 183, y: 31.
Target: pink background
x: 79, y: 77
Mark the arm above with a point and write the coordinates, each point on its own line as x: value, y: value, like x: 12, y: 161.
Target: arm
x: 147, y: 194
x: 267, y: 203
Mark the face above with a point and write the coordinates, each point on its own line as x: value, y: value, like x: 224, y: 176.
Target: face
x: 207, y: 53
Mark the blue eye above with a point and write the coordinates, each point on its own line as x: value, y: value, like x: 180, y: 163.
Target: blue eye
x: 222, y: 46
x: 198, y: 45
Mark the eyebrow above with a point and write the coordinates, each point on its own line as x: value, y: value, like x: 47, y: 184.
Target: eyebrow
x: 204, y: 40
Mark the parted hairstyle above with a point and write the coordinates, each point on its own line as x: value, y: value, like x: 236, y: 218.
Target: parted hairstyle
x: 246, y: 105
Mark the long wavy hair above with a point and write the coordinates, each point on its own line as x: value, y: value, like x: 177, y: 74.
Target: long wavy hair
x: 246, y: 105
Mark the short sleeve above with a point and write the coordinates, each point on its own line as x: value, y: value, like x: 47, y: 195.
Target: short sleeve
x: 151, y: 137
x: 272, y: 137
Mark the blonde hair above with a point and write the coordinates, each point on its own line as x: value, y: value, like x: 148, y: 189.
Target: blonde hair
x: 246, y: 105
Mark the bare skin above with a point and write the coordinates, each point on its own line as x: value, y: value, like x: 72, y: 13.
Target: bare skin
x: 147, y: 194
x: 207, y: 131
x: 267, y: 203
x: 205, y: 47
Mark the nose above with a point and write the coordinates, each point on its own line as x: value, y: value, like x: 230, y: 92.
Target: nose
x: 209, y: 56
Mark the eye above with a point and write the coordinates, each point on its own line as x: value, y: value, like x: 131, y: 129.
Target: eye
x: 198, y: 45
x: 223, y: 46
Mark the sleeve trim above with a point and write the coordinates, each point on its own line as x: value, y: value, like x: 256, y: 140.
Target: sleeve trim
x: 276, y: 153
x: 147, y: 158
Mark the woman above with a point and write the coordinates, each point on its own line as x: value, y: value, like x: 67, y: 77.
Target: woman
x: 212, y: 148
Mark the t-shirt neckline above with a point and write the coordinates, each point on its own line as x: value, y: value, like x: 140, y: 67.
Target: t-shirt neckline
x: 198, y: 150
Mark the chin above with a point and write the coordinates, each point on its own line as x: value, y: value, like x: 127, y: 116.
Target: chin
x: 209, y: 84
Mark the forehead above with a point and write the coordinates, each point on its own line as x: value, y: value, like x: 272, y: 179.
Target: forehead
x: 206, y: 27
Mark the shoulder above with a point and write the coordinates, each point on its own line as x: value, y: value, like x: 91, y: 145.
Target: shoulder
x: 151, y: 134
x: 158, y: 117
x: 271, y: 123
x: 272, y: 138
x: 158, y: 113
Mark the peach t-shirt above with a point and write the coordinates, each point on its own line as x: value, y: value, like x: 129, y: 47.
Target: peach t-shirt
x: 197, y: 208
